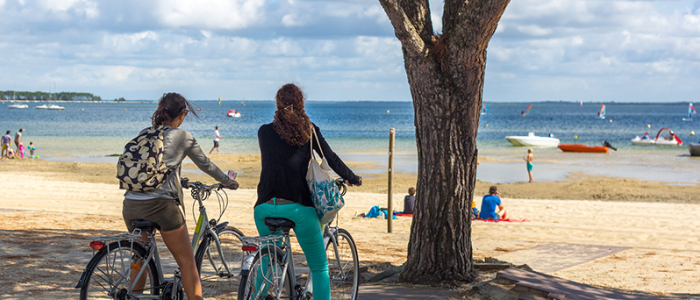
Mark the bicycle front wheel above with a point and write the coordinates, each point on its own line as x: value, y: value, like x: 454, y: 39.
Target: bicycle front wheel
x: 343, y: 267
x: 217, y: 282
x: 109, y: 273
x: 264, y: 280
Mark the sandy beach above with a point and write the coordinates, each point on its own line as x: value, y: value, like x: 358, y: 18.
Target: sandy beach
x: 648, y: 226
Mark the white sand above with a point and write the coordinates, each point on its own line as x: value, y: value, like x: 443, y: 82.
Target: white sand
x: 665, y: 240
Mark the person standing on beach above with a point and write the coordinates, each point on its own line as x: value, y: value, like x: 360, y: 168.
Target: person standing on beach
x: 18, y: 137
x: 6, y: 143
x: 217, y: 138
x: 161, y: 204
x: 529, y: 160
x: 489, y: 204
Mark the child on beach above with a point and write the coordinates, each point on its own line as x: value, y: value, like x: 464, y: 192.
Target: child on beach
x: 31, y: 149
x: 20, y: 149
x: 409, y: 201
x: 529, y: 160
x: 6, y: 143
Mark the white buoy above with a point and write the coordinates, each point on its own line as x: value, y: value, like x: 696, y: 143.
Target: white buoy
x: 648, y: 125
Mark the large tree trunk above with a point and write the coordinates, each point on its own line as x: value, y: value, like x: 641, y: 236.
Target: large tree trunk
x: 446, y: 76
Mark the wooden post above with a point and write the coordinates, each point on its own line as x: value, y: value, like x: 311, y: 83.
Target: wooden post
x: 390, y: 213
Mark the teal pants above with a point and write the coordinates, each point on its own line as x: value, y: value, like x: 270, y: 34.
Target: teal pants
x: 308, y: 231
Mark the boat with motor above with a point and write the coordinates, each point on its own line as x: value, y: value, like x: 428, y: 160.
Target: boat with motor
x: 601, y: 113
x: 531, y: 140
x: 17, y: 106
x: 233, y: 113
x: 41, y: 107
x: 583, y: 148
x: 670, y: 140
x: 691, y: 113
x: 55, y: 107
x: 694, y: 149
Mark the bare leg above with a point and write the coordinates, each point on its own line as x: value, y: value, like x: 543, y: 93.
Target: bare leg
x: 529, y: 173
x: 178, y: 242
x: 212, y: 150
x: 217, y: 150
x: 134, y: 272
x: 502, y: 213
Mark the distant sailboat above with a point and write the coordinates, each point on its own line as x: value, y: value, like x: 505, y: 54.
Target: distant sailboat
x: 525, y: 112
x: 484, y: 109
x: 580, y: 103
x: 601, y: 113
x: 691, y: 113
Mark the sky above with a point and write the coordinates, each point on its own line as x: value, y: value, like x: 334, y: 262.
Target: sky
x: 572, y: 50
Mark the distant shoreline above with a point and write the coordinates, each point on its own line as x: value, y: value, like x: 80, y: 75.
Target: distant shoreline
x: 74, y: 101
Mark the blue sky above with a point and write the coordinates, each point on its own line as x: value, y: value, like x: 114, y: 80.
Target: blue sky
x: 606, y: 50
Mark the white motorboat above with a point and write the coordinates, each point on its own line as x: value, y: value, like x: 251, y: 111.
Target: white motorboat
x: 233, y: 113
x: 55, y: 107
x: 531, y: 140
x: 41, y: 107
x: 17, y: 106
x: 671, y: 140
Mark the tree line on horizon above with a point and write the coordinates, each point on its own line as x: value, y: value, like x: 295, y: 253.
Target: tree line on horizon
x: 65, y: 96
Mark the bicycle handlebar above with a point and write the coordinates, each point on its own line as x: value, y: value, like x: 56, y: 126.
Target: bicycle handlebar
x: 203, y: 187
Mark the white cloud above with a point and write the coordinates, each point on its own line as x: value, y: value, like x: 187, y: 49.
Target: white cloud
x: 290, y: 20
x: 210, y: 14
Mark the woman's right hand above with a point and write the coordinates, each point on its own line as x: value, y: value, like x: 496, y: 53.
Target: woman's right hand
x: 359, y: 182
x: 233, y: 185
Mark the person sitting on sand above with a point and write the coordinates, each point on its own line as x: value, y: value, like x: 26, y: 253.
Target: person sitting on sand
x: 489, y: 204
x: 409, y: 201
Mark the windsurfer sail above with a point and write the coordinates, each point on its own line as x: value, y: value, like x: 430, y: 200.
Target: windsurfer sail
x: 525, y: 112
x: 691, y: 113
x: 601, y: 113
x: 219, y: 100
x: 484, y: 109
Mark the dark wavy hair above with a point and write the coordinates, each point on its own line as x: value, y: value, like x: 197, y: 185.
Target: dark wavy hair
x: 170, y: 106
x: 291, y: 122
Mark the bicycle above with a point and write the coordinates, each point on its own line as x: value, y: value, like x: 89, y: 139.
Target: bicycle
x: 268, y: 272
x: 117, y: 259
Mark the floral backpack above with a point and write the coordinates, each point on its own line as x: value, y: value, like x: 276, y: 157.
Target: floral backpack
x: 141, y: 167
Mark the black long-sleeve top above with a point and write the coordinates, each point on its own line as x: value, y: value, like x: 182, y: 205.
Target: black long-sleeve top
x: 284, y: 167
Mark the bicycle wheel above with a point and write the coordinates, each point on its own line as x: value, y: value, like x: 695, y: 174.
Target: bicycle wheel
x: 264, y: 279
x: 343, y: 269
x: 108, y: 272
x: 216, y: 282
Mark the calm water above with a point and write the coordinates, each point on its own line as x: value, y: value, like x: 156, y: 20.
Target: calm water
x: 89, y: 131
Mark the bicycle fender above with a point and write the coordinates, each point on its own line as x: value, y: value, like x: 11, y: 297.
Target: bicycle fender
x: 245, y: 268
x: 83, y: 278
x: 220, y: 227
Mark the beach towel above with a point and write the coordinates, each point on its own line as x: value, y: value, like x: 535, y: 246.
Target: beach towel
x: 403, y: 215
x: 376, y: 212
x: 501, y: 220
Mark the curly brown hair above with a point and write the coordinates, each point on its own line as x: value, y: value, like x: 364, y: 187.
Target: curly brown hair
x: 291, y: 122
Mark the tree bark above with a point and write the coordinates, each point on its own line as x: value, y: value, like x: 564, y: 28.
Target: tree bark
x: 446, y: 76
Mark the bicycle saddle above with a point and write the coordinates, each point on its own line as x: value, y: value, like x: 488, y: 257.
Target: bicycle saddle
x: 274, y: 224
x: 148, y: 226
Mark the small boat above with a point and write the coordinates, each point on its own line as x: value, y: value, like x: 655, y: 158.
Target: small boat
x: 233, y: 113
x: 694, y: 149
x: 601, y: 113
x: 17, y: 106
x: 583, y: 148
x: 691, y: 113
x: 55, y: 107
x: 671, y: 140
x: 41, y: 107
x: 531, y: 140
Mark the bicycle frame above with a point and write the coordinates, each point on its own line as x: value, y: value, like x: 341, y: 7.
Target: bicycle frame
x: 203, y: 228
x: 328, y: 236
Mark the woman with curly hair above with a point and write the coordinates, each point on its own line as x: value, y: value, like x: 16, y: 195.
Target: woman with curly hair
x: 283, y: 192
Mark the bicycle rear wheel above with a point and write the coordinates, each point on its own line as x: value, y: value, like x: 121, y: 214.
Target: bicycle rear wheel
x: 216, y: 282
x: 343, y: 268
x: 264, y: 279
x: 108, y: 272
